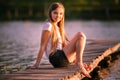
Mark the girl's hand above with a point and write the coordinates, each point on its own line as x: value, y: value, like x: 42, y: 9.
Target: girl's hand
x: 32, y: 67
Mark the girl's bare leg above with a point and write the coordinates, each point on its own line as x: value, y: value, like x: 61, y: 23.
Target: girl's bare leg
x: 74, y: 51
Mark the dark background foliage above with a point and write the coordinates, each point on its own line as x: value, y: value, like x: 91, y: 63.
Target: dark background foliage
x: 75, y: 9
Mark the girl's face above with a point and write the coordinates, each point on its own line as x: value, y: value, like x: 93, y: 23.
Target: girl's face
x: 57, y: 14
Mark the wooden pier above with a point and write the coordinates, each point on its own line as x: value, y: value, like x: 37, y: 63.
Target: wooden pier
x: 95, y: 52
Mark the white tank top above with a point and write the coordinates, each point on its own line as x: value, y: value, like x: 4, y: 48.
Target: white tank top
x: 48, y: 26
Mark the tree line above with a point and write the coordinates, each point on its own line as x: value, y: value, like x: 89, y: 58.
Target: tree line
x: 75, y: 9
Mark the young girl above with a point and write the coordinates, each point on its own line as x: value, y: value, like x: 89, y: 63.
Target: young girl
x: 53, y: 42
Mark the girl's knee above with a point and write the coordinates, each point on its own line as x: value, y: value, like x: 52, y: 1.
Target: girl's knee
x: 81, y: 35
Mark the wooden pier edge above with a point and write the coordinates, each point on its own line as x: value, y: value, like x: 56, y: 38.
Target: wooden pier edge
x: 94, y: 63
x: 46, y: 72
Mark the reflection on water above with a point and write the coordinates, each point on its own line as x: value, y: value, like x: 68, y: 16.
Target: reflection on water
x: 19, y: 41
x: 115, y: 72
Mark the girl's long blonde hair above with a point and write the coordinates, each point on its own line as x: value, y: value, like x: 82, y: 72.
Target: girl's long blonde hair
x: 60, y: 25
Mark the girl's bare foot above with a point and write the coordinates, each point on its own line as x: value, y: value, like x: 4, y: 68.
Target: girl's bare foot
x: 85, y: 72
x: 84, y: 69
x: 87, y: 67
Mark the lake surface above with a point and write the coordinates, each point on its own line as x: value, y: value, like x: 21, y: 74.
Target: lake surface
x: 20, y: 41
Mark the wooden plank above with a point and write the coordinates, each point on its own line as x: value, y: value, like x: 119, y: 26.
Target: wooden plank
x: 95, y: 51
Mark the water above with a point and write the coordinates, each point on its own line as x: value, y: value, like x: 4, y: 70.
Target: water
x: 115, y: 72
x: 20, y: 41
x: 95, y: 29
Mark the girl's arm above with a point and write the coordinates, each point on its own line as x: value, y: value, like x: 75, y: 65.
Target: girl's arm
x: 44, y: 40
